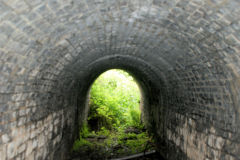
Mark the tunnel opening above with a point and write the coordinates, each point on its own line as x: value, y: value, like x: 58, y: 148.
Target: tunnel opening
x: 114, y: 119
x: 115, y: 96
x: 145, y: 76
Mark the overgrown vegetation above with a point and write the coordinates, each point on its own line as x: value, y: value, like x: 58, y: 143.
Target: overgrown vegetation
x: 106, y: 145
x: 114, y: 125
x: 114, y: 101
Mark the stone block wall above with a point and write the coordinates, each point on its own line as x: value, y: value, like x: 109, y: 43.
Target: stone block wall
x: 27, y: 133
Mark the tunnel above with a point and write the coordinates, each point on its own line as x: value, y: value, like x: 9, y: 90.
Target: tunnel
x: 184, y: 54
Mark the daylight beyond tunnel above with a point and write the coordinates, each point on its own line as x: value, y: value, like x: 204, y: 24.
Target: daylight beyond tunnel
x: 183, y: 53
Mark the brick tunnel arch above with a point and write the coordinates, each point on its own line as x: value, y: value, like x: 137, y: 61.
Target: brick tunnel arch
x: 149, y: 82
x: 185, y: 52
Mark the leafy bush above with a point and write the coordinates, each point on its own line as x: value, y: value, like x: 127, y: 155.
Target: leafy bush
x: 114, y: 101
x: 114, y: 110
x: 81, y: 142
x: 84, y: 132
x: 103, y: 132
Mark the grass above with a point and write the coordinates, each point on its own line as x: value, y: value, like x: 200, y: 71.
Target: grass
x: 115, y: 143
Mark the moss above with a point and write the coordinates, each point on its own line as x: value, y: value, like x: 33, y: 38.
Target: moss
x: 80, y: 143
x: 84, y: 131
x: 104, y: 132
x: 117, y: 143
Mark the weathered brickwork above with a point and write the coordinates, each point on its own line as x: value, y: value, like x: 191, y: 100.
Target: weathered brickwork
x: 203, y: 144
x: 32, y: 140
x: 185, y: 54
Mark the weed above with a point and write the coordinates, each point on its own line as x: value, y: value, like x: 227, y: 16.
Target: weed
x: 114, y: 125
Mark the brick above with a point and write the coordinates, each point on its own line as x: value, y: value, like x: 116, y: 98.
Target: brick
x: 185, y: 54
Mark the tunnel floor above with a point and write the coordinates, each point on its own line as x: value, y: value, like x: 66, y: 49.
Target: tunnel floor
x: 132, y: 143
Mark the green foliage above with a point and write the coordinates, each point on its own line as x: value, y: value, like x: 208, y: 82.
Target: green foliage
x: 114, y: 116
x: 104, y: 132
x: 117, y: 143
x: 84, y: 132
x: 135, y: 118
x: 81, y: 142
x: 136, y: 143
x: 114, y: 100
